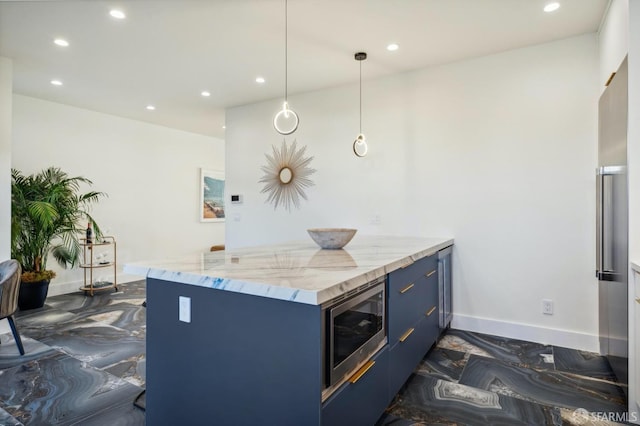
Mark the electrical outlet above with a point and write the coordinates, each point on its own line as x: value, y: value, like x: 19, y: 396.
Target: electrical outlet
x: 184, y: 309
x: 547, y: 306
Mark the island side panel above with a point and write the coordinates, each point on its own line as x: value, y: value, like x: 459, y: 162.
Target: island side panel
x: 242, y: 360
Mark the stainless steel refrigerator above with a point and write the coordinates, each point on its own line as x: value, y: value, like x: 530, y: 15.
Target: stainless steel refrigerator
x: 612, y: 223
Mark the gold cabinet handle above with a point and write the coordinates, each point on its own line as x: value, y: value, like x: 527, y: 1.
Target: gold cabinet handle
x: 406, y: 334
x: 358, y: 374
x: 430, y: 273
x: 430, y: 311
x: 407, y: 288
x: 637, y: 299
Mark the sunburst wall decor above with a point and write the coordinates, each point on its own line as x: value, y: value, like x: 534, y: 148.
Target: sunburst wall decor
x: 286, y: 175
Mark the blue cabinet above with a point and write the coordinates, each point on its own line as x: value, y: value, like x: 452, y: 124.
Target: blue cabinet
x: 406, y: 301
x: 242, y: 360
x: 412, y: 317
x: 431, y: 302
x: 404, y: 356
x: 412, y: 328
x: 281, y: 381
x: 362, y: 400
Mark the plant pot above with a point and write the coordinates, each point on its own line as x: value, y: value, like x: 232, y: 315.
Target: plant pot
x: 32, y: 295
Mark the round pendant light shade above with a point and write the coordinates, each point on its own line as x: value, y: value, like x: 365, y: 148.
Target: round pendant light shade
x: 360, y: 147
x: 286, y: 120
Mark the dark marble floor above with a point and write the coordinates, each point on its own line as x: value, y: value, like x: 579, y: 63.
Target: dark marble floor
x: 85, y: 365
x: 477, y: 379
x: 84, y: 362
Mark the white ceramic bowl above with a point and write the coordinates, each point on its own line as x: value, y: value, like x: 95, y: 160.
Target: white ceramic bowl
x: 332, y: 238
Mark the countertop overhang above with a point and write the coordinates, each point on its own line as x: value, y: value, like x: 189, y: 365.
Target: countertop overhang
x: 296, y: 271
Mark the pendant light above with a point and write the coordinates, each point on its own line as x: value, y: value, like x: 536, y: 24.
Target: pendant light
x: 360, y: 144
x: 286, y: 120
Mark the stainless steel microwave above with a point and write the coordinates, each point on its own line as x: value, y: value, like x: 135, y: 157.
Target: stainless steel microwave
x: 354, y: 329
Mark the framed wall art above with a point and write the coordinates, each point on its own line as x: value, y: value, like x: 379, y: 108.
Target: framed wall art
x: 211, y: 196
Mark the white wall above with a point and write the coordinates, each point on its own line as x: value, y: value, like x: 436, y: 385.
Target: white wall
x: 497, y: 152
x: 6, y: 88
x: 613, y: 39
x: 150, y: 173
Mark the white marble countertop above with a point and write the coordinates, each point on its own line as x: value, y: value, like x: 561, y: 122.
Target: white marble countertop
x: 298, y: 271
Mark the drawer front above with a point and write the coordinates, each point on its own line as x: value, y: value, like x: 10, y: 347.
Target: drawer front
x: 431, y: 315
x: 412, y: 292
x: 405, y: 356
x: 431, y: 293
x: 417, y: 269
x: 405, y: 307
x: 432, y: 325
x: 362, y: 402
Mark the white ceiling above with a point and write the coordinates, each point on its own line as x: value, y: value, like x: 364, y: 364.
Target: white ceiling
x: 166, y: 52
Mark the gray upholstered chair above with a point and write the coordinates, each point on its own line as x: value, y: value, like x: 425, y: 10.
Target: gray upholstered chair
x: 10, y: 272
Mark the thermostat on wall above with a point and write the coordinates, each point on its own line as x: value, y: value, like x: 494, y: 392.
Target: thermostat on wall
x: 236, y: 199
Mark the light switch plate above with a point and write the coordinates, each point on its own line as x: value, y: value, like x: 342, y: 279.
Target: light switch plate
x: 184, y: 309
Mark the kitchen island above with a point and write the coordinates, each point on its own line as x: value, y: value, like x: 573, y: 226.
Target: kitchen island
x: 236, y: 337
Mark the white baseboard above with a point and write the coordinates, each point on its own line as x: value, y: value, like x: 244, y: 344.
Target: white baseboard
x: 530, y: 333
x: 56, y: 289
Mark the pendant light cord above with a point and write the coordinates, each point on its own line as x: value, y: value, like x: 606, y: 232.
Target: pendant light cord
x: 360, y: 97
x: 360, y: 56
x: 286, y: 113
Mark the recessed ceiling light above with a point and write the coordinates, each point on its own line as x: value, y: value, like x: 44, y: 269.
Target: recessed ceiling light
x: 224, y: 127
x: 56, y: 82
x: 151, y: 107
x: 61, y: 42
x: 392, y: 47
x: 118, y: 14
x: 550, y: 7
x: 260, y: 80
x: 205, y: 93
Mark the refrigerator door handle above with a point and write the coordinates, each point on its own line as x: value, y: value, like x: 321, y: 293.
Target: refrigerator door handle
x: 599, y: 179
x: 604, y: 223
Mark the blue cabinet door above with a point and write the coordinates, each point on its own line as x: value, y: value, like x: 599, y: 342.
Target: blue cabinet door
x: 363, y: 402
x: 431, y: 306
x: 412, y: 293
x: 405, y: 306
x: 405, y: 356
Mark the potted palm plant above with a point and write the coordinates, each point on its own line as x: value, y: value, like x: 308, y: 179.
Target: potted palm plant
x: 47, y: 210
